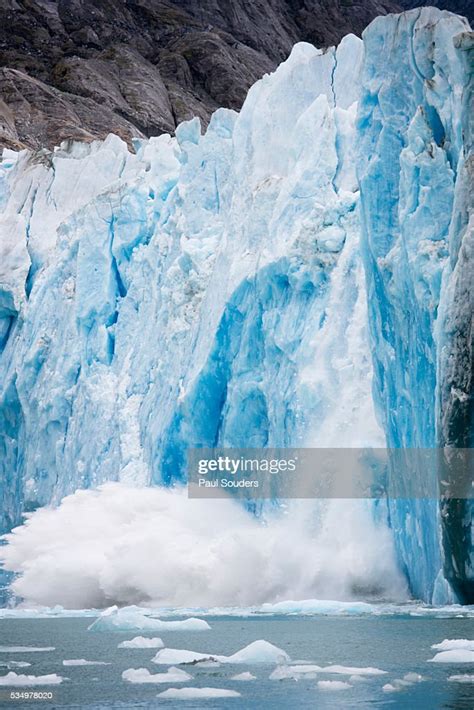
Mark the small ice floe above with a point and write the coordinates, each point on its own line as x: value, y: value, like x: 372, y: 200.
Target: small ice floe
x: 352, y: 670
x: 25, y: 649
x: 333, y: 685
x: 13, y: 679
x: 142, y: 642
x: 209, y: 663
x: 244, y: 676
x: 450, y: 644
x: 143, y: 675
x: 455, y: 655
x: 201, y: 693
x: 257, y: 652
x: 407, y: 681
x: 461, y: 678
x: 295, y: 672
x: 84, y: 662
x: 133, y: 619
x: 14, y: 664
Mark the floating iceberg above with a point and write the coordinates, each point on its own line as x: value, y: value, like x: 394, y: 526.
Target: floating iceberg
x: 402, y: 683
x: 246, y: 675
x: 84, y: 662
x: 318, y: 606
x: 126, y: 619
x: 142, y: 675
x: 352, y: 670
x: 333, y: 685
x: 13, y: 679
x: 26, y: 649
x: 142, y: 642
x: 455, y: 655
x: 257, y: 652
x: 198, y: 693
x: 450, y: 644
x: 14, y: 664
x: 295, y: 672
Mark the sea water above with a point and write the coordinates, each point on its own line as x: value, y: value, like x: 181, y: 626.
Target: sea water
x: 396, y: 643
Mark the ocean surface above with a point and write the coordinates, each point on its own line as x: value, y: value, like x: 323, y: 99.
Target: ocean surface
x: 398, y: 644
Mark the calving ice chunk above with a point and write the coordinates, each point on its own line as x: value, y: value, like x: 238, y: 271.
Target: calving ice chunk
x: 290, y: 278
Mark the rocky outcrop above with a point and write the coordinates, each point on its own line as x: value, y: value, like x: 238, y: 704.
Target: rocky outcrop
x: 84, y: 68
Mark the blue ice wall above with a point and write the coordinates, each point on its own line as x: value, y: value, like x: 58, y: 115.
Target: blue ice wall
x: 249, y: 286
x: 412, y: 129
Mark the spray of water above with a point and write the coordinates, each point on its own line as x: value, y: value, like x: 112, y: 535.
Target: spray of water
x: 157, y: 547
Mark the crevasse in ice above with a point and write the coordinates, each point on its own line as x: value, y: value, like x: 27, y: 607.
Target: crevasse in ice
x: 298, y: 275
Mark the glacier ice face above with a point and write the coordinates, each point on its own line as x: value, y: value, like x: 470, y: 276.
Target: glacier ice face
x: 413, y: 168
x: 180, y: 303
x: 235, y: 289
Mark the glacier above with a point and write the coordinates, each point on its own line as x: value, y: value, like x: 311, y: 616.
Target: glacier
x: 299, y: 275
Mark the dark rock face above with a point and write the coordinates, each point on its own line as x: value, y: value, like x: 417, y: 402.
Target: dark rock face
x: 461, y: 7
x: 83, y: 68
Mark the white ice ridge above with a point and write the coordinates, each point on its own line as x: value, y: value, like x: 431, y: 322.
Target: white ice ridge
x: 256, y: 652
x: 298, y: 275
x: 15, y: 679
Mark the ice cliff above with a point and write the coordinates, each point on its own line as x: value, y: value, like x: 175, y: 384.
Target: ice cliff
x: 299, y: 275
